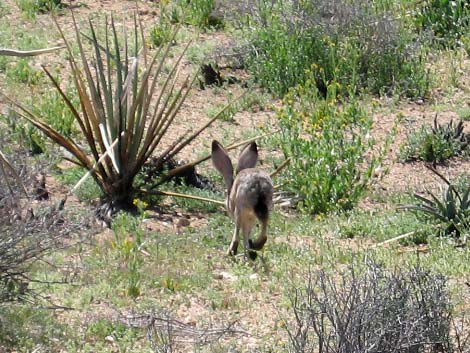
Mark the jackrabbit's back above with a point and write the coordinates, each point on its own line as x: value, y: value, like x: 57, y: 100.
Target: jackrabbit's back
x: 253, y: 189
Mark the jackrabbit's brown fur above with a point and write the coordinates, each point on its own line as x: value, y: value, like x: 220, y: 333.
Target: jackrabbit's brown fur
x: 249, y: 196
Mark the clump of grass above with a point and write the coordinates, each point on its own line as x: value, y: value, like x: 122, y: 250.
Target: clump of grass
x: 464, y: 114
x: 436, y: 143
x: 24, y: 133
x: 128, y: 243
x: 161, y: 33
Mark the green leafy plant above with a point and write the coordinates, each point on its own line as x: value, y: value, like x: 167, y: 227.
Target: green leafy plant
x: 125, y: 110
x: 24, y: 133
x: 327, y: 144
x: 198, y: 13
x: 436, y: 143
x: 446, y: 19
x: 23, y: 72
x: 452, y: 209
x: 32, y: 7
x: 128, y: 242
x: 53, y: 108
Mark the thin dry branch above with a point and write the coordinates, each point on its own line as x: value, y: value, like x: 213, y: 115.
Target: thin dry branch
x: 176, y: 194
x: 26, y: 53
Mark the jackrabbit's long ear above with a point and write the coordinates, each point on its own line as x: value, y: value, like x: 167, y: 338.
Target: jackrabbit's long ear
x: 248, y: 157
x: 222, y: 163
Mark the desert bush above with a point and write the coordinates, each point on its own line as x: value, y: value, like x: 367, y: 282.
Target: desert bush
x: 27, y: 234
x: 436, y: 143
x: 373, y: 310
x: 352, y: 43
x: 327, y: 144
x: 447, y: 20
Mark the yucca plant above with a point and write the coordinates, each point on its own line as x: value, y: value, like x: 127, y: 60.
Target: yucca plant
x: 452, y: 133
x: 437, y: 143
x: 452, y: 210
x: 128, y: 105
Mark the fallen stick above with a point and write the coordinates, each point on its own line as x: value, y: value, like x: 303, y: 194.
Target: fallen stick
x: 388, y: 241
x: 186, y: 196
x: 25, y: 53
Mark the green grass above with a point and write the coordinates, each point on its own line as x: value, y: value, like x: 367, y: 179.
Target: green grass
x: 190, y: 270
x: 88, y: 191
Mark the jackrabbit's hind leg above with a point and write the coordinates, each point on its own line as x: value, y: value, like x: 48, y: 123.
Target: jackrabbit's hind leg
x: 263, y: 237
x: 246, y: 240
x: 233, y: 249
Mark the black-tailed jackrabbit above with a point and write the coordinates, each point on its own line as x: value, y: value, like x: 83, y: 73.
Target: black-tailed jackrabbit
x: 249, y: 196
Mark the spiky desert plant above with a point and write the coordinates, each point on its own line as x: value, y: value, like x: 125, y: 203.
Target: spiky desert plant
x: 452, y: 209
x: 126, y: 110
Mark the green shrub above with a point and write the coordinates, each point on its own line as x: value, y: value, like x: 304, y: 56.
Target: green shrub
x: 21, y: 71
x: 52, y: 108
x: 24, y: 133
x: 198, y: 13
x: 445, y: 19
x: 359, y: 47
x: 128, y: 243
x: 436, y: 143
x: 327, y: 144
x: 161, y: 34
x: 32, y: 7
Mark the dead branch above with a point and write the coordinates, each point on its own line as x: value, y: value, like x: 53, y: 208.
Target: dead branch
x: 26, y: 53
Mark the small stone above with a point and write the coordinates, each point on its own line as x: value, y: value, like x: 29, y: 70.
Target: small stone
x: 109, y: 339
x: 183, y: 222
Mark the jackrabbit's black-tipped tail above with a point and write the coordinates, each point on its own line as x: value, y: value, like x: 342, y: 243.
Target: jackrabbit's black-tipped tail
x: 257, y: 244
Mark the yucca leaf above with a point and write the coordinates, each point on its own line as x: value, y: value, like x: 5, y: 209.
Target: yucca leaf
x: 465, y: 200
x: 95, y: 97
x: 170, y: 115
x: 50, y: 132
x: 438, y: 203
x: 451, y: 209
x: 422, y: 198
x: 429, y: 210
x: 202, y: 128
x: 90, y: 118
x: 154, y: 121
x: 101, y: 74
x: 75, y: 113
